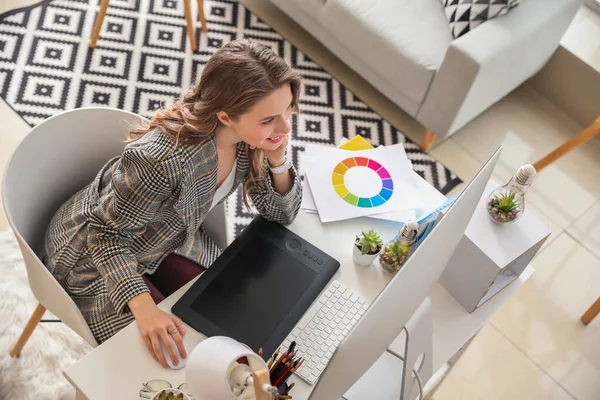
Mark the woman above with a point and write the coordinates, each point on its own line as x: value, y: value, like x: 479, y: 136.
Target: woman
x: 134, y: 235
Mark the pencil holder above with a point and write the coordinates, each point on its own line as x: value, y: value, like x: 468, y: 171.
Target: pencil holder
x: 283, y: 388
x: 213, y: 371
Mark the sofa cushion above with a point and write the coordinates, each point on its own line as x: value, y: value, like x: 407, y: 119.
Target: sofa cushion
x: 466, y: 15
x: 404, y: 41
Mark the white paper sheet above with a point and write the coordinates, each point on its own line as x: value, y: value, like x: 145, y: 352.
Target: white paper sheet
x: 350, y: 184
x: 309, y: 205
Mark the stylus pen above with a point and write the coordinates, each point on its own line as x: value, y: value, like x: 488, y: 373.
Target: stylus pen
x: 292, y: 347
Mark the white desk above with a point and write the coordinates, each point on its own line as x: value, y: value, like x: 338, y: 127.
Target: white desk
x: 123, y: 362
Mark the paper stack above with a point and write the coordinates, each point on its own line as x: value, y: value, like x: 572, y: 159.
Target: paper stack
x: 357, y: 180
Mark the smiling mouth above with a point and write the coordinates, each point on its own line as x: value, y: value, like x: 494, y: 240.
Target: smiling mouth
x: 275, y: 139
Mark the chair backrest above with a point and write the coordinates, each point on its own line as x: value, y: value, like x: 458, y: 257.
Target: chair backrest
x: 57, y: 158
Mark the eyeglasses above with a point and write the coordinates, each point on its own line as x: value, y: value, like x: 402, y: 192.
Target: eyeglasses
x: 150, y: 388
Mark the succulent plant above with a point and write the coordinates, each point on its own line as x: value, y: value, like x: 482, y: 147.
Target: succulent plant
x: 395, y: 250
x: 506, y: 202
x: 368, y: 242
x: 168, y: 395
x: 394, y: 255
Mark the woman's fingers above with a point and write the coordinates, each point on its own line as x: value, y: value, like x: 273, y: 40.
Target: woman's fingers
x: 181, y: 330
x: 179, y: 343
x: 166, y: 338
x: 179, y: 326
x: 149, y: 346
x: 155, y: 340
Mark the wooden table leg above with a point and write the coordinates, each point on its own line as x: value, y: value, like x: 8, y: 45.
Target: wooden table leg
x: 187, y: 6
x: 576, y: 141
x: 427, y: 140
x: 202, y: 16
x: 98, y: 23
x: 591, y: 313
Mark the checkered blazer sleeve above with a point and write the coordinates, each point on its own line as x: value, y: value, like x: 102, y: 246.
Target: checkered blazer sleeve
x: 274, y: 206
x: 138, y: 190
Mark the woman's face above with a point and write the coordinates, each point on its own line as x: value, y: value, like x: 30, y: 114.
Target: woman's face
x: 265, y: 125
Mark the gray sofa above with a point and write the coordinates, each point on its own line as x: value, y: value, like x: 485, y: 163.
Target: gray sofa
x: 405, y: 49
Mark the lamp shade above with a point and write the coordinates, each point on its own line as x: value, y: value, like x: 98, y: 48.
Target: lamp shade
x: 213, y: 372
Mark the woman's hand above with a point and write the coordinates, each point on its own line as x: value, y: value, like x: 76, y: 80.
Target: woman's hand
x: 277, y: 157
x: 156, y: 325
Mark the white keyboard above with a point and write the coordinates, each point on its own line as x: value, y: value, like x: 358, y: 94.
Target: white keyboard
x: 323, y: 328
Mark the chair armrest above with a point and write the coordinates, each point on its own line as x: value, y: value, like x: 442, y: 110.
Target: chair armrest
x: 484, y: 65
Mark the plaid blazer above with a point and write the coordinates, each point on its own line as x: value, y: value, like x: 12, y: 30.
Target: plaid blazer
x: 142, y: 206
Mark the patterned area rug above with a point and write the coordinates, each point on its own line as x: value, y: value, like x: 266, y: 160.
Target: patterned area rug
x: 143, y: 61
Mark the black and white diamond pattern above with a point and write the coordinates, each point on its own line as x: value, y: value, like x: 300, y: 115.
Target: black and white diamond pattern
x: 92, y: 93
x: 44, y: 90
x: 5, y: 78
x: 10, y: 44
x: 119, y: 29
x: 53, y: 54
x: 143, y: 62
x: 19, y: 19
x: 160, y: 69
x: 466, y: 15
x: 167, y: 36
x: 61, y: 19
x: 108, y: 62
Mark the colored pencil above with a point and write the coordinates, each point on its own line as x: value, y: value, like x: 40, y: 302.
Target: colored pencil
x: 279, y: 361
x: 273, y: 358
x: 283, y: 374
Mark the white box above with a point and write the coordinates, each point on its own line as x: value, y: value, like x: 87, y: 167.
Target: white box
x: 491, y: 256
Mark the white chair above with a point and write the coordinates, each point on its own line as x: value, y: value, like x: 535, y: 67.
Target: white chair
x: 58, y: 157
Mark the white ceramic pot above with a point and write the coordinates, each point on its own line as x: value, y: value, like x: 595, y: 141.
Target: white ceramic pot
x: 362, y: 259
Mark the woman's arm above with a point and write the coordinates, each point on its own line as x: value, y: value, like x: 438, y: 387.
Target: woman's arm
x: 138, y: 190
x: 282, y: 183
x: 277, y: 197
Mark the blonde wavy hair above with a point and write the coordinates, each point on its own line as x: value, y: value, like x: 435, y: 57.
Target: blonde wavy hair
x: 234, y: 79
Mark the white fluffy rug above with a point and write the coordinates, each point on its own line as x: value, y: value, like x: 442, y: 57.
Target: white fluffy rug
x: 52, y: 348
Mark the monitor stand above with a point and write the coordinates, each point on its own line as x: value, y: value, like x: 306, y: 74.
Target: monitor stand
x: 382, y: 381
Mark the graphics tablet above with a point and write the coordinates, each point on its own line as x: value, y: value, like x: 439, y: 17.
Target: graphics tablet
x: 258, y: 288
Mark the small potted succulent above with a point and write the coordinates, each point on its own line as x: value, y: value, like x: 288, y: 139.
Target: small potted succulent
x: 394, y: 255
x: 366, y: 247
x: 505, y: 207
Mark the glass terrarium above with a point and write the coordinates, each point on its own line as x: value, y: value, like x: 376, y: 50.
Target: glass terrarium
x: 506, y: 204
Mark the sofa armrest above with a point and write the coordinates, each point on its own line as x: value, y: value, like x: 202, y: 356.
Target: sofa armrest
x: 484, y: 65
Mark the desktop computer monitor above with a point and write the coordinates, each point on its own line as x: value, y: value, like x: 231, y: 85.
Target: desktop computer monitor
x: 391, y: 310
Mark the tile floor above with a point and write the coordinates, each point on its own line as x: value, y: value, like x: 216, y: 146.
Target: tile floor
x: 583, y: 38
x: 534, y: 347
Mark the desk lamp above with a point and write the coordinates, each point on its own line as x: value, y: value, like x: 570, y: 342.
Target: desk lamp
x: 221, y: 368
